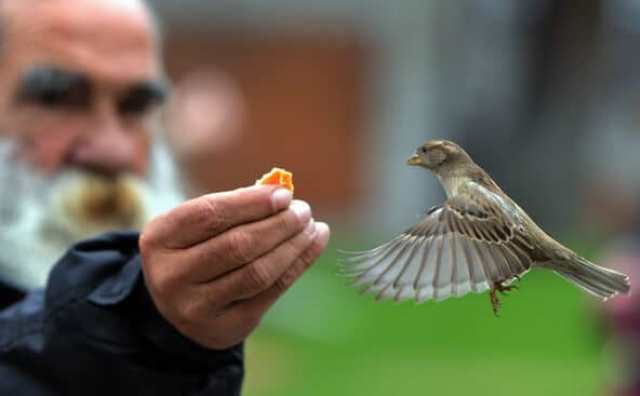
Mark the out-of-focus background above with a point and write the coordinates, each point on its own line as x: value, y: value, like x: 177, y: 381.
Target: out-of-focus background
x: 544, y: 94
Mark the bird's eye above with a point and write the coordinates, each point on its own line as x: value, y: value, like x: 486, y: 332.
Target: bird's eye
x: 423, y: 150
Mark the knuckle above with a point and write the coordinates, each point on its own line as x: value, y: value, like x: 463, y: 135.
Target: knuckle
x: 288, y: 278
x: 307, y: 257
x: 288, y: 223
x: 298, y: 246
x: 147, y: 239
x: 212, y: 213
x: 284, y: 283
x: 144, y: 243
x: 240, y: 246
x: 194, y: 311
x: 163, y: 283
x: 158, y: 233
x: 257, y: 277
x: 291, y: 275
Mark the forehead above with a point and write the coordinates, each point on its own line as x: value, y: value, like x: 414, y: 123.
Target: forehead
x: 110, y: 42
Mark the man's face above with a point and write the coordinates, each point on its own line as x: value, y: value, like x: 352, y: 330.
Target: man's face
x: 80, y: 82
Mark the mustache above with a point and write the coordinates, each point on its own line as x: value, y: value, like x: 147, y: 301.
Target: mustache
x: 76, y: 201
x: 84, y: 203
x: 81, y: 199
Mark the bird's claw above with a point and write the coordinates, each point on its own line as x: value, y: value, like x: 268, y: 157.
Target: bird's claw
x: 503, y: 290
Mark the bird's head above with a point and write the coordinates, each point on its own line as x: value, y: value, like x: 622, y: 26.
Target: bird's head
x: 438, y: 155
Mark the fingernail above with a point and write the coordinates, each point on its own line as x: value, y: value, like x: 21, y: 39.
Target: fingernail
x: 322, y: 233
x: 302, y: 211
x: 281, y: 198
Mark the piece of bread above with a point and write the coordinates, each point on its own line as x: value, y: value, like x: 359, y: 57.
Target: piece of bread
x: 277, y: 176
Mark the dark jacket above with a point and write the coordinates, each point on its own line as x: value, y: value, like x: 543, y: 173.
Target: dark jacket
x: 95, y: 331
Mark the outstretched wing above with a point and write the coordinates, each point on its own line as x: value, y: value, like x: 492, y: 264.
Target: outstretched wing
x: 474, y: 239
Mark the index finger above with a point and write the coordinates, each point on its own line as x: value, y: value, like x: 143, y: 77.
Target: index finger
x: 204, y: 217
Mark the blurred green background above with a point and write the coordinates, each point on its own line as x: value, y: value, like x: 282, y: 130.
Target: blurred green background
x: 324, y: 338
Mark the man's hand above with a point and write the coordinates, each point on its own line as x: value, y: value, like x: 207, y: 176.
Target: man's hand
x: 215, y: 264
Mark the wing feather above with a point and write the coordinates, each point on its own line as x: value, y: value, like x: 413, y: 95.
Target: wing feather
x: 466, y: 245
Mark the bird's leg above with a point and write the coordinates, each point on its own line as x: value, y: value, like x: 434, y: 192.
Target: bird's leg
x: 503, y: 289
x: 495, y: 302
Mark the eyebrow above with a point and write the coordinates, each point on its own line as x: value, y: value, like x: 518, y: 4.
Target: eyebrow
x: 154, y: 91
x: 52, y: 85
x: 49, y: 84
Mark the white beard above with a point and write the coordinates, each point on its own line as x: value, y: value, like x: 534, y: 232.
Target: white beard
x: 40, y: 218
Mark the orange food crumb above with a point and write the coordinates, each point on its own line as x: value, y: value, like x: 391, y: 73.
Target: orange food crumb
x: 278, y: 176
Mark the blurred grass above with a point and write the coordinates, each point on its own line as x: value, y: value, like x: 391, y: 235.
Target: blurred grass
x: 323, y: 338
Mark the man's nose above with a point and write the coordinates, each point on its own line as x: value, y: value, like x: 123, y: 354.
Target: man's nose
x: 108, y: 149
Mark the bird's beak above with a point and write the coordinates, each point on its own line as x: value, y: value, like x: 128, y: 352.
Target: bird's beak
x: 415, y: 160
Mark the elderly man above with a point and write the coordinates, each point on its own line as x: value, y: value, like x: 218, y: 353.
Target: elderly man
x: 165, y: 312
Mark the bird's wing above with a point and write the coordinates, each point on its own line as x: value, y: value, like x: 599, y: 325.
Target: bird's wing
x: 467, y: 244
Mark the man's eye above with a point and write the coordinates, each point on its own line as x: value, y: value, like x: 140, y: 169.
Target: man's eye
x: 74, y: 98
x: 50, y: 97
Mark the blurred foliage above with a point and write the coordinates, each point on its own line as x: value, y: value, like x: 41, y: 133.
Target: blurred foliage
x: 325, y: 339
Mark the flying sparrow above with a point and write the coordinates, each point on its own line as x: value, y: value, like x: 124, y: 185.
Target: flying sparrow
x: 478, y: 239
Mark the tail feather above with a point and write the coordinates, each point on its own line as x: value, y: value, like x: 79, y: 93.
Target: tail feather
x: 601, y: 282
